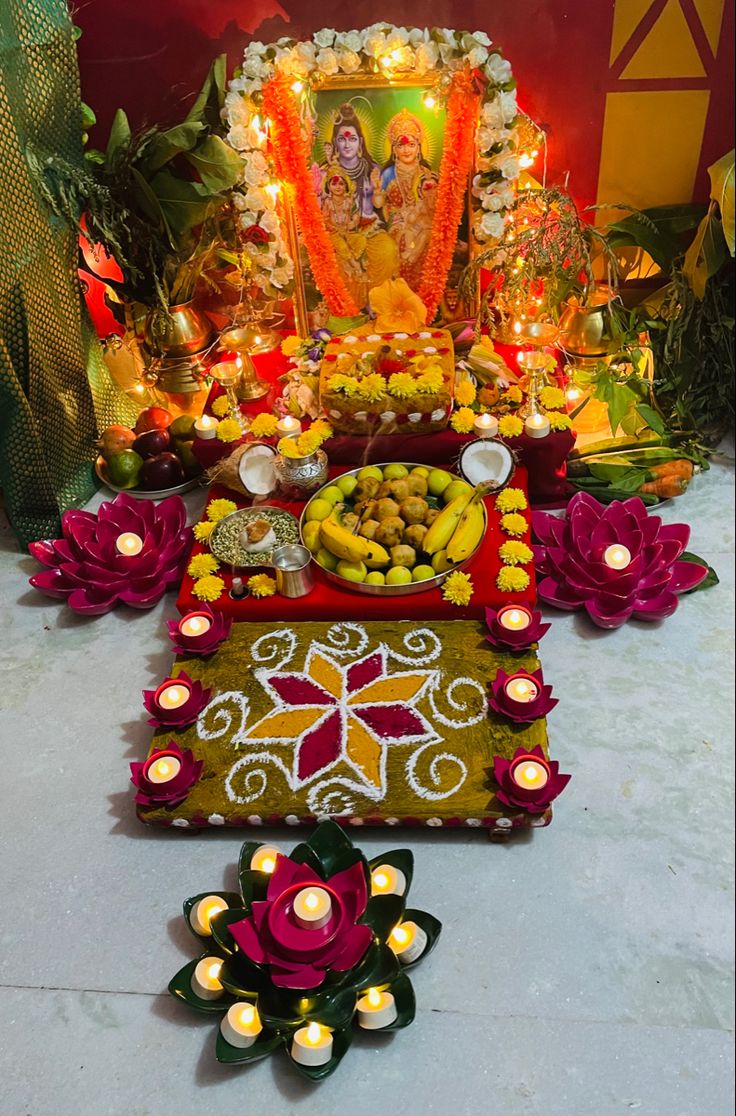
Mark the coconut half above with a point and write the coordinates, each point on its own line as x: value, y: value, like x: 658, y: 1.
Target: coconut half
x: 486, y: 461
x: 256, y: 469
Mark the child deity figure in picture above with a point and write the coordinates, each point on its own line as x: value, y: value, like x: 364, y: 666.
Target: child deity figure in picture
x: 349, y: 187
x: 408, y: 189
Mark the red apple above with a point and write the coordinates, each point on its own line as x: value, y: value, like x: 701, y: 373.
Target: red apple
x: 153, y: 418
x: 163, y: 471
x: 152, y: 443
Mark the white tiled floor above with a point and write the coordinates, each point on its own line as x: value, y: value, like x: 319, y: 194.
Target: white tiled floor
x: 585, y: 971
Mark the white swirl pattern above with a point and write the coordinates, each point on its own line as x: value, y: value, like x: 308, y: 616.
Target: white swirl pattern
x: 220, y: 713
x: 257, y: 776
x: 434, y: 774
x: 266, y: 650
x: 424, y: 647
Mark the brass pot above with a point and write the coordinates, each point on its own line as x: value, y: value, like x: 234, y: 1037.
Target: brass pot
x: 587, y: 331
x: 182, y: 332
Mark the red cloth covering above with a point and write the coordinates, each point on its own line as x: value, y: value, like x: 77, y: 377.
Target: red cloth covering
x: 329, y: 601
x: 544, y: 458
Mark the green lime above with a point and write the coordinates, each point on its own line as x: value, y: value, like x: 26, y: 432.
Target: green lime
x: 421, y: 573
x: 457, y: 488
x: 375, y: 577
x: 352, y: 571
x: 346, y: 484
x: 318, y: 510
x: 420, y: 471
x: 182, y: 427
x: 398, y: 575
x: 124, y: 468
x: 395, y: 471
x: 325, y: 559
x: 332, y: 493
x: 438, y: 480
x: 370, y: 471
x: 184, y: 452
x: 310, y: 535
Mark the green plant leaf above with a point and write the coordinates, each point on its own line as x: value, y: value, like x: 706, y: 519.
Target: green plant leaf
x: 706, y: 254
x: 180, y: 986
x: 653, y: 420
x: 707, y: 582
x: 625, y: 478
x: 218, y: 166
x: 264, y: 1045
x: 118, y: 140
x: 211, y: 97
x: 162, y: 147
x: 88, y: 117
x: 403, y: 859
x: 232, y: 898
x: 431, y: 927
x: 617, y: 396
x: 382, y: 914
x: 722, y: 192
x: 184, y: 204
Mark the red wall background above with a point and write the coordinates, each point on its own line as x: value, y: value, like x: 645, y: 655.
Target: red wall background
x: 150, y: 56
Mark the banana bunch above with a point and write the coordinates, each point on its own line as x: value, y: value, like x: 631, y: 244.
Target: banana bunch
x: 457, y: 529
x: 352, y: 548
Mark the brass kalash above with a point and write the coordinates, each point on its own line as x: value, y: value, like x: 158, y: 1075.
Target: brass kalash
x: 176, y: 347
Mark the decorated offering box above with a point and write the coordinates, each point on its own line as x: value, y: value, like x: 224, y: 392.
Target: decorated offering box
x: 388, y: 383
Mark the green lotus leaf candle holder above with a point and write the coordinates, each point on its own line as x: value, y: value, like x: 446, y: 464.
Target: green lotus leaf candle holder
x: 314, y: 944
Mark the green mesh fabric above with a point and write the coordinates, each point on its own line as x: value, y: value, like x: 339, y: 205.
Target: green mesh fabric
x: 54, y: 385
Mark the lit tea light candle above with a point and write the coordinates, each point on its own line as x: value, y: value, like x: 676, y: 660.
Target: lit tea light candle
x: 573, y: 395
x: 241, y: 1026
x: 171, y: 695
x: 202, y: 913
x: 312, y: 1045
x: 521, y: 689
x: 530, y: 774
x: 408, y: 941
x: 514, y: 619
x: 485, y: 426
x: 288, y: 425
x: 376, y: 1009
x: 617, y: 557
x: 206, y: 979
x: 206, y: 427
x: 264, y: 858
x: 387, y: 880
x: 312, y: 908
x: 537, y: 426
x: 129, y: 544
x: 163, y: 770
x: 195, y: 624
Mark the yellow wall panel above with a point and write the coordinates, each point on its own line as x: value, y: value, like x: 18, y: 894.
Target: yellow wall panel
x: 627, y: 16
x: 668, y: 51
x: 711, y: 16
x: 651, y: 147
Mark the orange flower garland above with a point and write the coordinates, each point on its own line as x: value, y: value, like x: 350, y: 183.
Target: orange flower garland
x: 291, y: 159
x: 457, y: 160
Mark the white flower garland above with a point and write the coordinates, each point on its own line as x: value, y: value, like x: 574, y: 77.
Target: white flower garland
x: 379, y: 48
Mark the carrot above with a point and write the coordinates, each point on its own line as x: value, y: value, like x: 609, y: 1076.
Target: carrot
x: 678, y: 468
x: 665, y: 487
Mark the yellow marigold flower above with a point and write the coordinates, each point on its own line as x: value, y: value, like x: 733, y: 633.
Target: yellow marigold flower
x: 202, y: 564
x: 510, y: 426
x: 263, y: 426
x: 323, y: 428
x: 558, y: 420
x: 513, y: 524
x: 514, y: 553
x: 465, y: 393
x: 511, y: 499
x: 218, y: 509
x: 208, y: 588
x: 290, y: 344
x: 402, y: 385
x: 351, y: 385
x: 457, y: 589
x: 512, y: 395
x: 288, y: 447
x: 552, y: 399
x: 228, y: 430
x: 431, y: 381
x: 338, y: 382
x: 307, y: 443
x: 261, y: 585
x: 203, y: 530
x: 512, y: 580
x: 426, y: 362
x: 372, y: 387
x: 462, y: 421
x: 221, y: 406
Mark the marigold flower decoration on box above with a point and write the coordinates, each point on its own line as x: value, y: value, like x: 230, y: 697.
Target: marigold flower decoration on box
x: 616, y: 562
x: 313, y: 944
x: 130, y: 552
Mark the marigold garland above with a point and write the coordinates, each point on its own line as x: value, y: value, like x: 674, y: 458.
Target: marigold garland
x: 457, y: 159
x: 291, y: 159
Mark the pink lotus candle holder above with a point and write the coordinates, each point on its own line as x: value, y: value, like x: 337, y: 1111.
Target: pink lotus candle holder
x: 615, y: 562
x: 177, y: 702
x: 166, y: 777
x: 276, y: 934
x: 521, y: 697
x: 528, y: 780
x: 131, y: 551
x: 200, y: 632
x: 514, y: 627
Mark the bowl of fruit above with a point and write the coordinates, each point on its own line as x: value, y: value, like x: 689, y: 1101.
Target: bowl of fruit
x: 393, y: 529
x: 153, y: 460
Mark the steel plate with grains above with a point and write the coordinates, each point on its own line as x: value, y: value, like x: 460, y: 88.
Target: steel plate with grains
x: 225, y: 539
